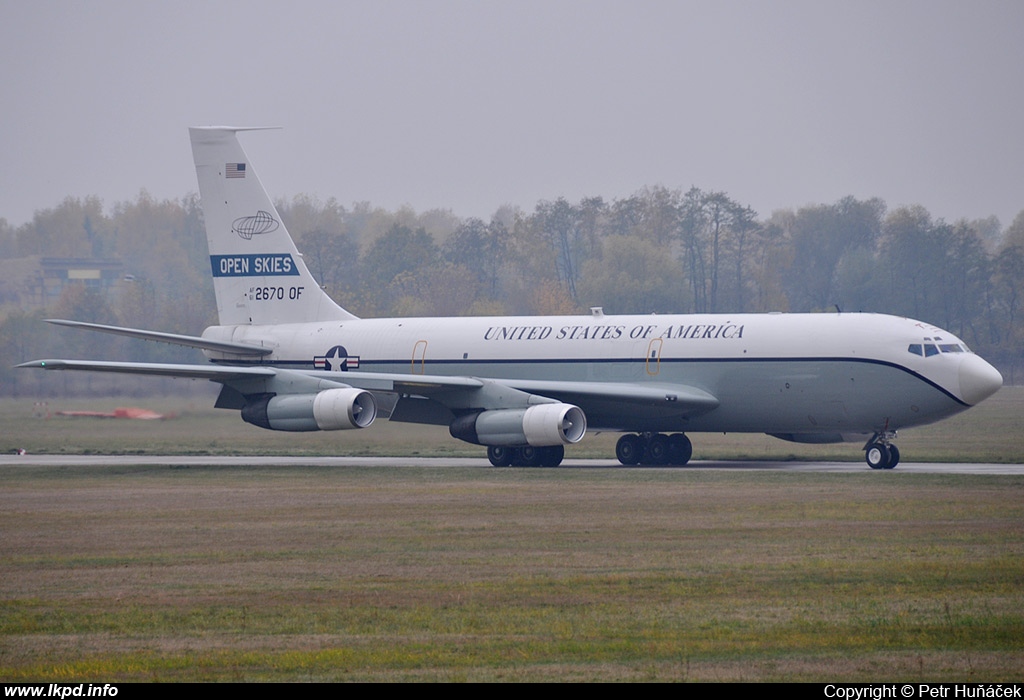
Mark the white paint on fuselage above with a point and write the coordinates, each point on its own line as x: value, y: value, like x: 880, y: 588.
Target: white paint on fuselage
x: 776, y: 373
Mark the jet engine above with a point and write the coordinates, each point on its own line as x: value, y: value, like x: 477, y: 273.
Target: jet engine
x: 332, y: 409
x: 543, y: 425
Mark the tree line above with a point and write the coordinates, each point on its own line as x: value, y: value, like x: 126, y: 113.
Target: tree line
x: 658, y: 251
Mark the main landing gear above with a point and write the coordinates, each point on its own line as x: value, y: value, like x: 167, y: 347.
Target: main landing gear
x: 654, y: 449
x: 501, y: 456
x: 880, y: 453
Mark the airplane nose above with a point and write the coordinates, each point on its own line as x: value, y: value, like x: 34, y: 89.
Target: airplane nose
x: 978, y: 379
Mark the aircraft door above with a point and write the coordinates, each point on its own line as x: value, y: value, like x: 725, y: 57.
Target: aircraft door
x: 419, y: 354
x: 652, y: 362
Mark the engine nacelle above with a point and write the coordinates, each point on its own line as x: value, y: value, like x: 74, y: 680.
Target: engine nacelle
x: 543, y: 425
x: 332, y: 409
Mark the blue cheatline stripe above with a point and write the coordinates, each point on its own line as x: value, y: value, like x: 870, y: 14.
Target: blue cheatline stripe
x: 385, y: 365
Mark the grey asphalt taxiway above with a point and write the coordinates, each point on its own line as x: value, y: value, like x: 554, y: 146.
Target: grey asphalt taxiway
x: 468, y: 462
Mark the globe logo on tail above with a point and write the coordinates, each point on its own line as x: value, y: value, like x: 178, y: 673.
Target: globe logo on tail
x: 249, y: 226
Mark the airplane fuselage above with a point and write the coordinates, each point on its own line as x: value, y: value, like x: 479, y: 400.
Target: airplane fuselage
x: 798, y: 374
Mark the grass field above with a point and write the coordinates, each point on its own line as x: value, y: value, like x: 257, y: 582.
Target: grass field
x: 308, y: 573
x: 157, y: 573
x: 990, y: 432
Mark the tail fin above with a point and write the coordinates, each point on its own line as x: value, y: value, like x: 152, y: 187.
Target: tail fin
x: 259, y: 276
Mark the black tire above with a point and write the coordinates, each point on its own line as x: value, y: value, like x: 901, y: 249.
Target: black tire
x: 680, y: 449
x: 656, y: 453
x: 878, y: 455
x: 551, y: 456
x: 500, y: 456
x: 629, y: 449
x: 894, y: 457
x: 528, y: 456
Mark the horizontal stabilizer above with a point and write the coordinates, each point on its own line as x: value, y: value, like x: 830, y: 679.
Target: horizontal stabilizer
x: 189, y: 341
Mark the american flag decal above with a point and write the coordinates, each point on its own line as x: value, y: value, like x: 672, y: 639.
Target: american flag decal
x: 232, y: 170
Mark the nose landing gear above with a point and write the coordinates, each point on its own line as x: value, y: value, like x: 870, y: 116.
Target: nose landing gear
x: 880, y: 453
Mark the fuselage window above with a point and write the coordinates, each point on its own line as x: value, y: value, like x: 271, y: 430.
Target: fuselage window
x: 915, y: 349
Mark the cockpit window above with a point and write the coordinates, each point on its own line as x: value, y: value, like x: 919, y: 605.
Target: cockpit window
x: 932, y: 349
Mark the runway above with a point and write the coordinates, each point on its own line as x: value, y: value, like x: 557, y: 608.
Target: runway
x: 468, y: 462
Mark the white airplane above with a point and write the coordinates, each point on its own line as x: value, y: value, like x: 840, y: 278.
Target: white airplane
x: 289, y: 358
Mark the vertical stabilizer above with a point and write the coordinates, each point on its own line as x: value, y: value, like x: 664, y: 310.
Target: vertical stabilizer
x: 258, y: 275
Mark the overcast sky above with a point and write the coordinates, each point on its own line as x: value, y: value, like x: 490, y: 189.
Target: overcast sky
x: 471, y: 105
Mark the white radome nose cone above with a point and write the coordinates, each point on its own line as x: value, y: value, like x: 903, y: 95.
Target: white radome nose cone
x: 978, y: 379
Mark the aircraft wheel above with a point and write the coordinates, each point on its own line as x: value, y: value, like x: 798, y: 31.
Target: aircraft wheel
x: 894, y: 457
x: 528, y: 456
x: 500, y: 456
x: 680, y: 449
x: 629, y: 449
x: 657, y: 450
x: 551, y: 456
x: 878, y: 455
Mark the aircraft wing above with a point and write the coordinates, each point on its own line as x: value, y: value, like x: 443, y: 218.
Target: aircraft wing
x: 608, y: 405
x: 371, y: 381
x: 628, y: 406
x: 437, y: 399
x: 216, y: 373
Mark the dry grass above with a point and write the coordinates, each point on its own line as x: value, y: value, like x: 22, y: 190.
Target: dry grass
x: 155, y: 573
